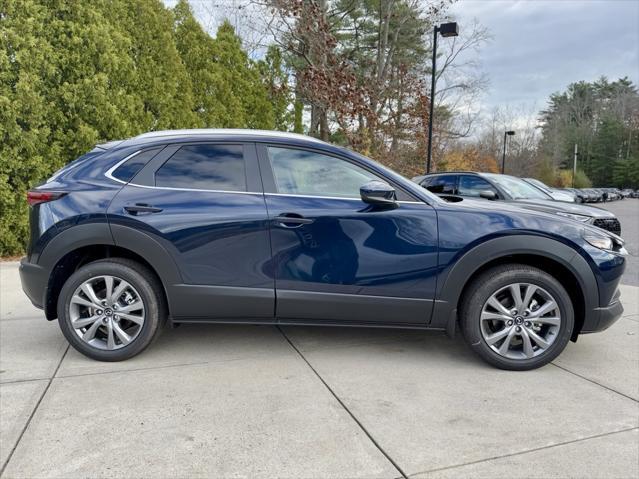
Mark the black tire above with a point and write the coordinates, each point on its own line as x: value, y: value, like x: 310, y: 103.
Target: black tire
x: 145, y: 283
x: 490, y: 282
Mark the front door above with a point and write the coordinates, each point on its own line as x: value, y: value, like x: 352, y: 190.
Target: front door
x: 204, y: 204
x: 335, y: 258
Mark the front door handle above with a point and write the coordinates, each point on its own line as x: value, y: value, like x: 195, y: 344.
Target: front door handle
x: 292, y: 220
x: 138, y: 208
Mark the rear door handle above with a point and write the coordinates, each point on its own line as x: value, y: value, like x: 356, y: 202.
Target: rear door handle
x: 141, y: 208
x: 292, y: 220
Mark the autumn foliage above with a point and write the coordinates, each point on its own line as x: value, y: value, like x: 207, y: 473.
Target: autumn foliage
x: 468, y: 159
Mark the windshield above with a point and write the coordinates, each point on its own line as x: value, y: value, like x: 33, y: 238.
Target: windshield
x: 517, y: 188
x: 538, y: 184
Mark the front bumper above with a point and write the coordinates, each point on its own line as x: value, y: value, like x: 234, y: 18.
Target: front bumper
x: 606, y: 316
x: 34, y: 281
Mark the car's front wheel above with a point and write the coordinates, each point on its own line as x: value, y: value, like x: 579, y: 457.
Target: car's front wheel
x: 517, y: 317
x: 111, y: 309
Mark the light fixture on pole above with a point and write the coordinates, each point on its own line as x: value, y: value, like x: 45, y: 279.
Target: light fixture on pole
x: 503, y: 158
x: 445, y: 30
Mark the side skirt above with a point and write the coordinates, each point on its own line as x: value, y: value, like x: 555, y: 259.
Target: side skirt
x: 306, y: 322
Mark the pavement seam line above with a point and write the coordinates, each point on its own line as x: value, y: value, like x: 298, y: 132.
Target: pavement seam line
x: 18, y: 381
x: 341, y: 403
x: 595, y: 382
x: 528, y: 451
x: 151, y: 368
x: 134, y: 370
x: 35, y: 409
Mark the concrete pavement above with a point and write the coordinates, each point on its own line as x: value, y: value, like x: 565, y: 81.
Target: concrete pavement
x: 257, y: 401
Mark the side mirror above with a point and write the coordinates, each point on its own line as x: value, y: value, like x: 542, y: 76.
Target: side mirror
x: 488, y: 195
x: 378, y: 193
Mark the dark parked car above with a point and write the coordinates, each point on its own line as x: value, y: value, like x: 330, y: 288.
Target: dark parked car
x: 580, y: 196
x: 227, y: 226
x: 596, y: 196
x: 627, y: 193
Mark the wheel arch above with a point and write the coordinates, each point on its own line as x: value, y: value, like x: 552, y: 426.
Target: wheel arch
x: 556, y: 258
x: 83, y: 244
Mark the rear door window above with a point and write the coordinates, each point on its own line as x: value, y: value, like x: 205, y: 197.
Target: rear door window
x: 219, y: 167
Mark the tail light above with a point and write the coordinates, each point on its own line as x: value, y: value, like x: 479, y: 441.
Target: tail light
x: 35, y: 197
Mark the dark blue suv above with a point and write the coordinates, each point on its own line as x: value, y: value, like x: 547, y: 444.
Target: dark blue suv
x: 232, y: 226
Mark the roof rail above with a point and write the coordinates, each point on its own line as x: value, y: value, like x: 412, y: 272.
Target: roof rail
x: 226, y: 131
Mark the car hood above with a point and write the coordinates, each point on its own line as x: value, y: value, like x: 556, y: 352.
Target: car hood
x: 519, y: 208
x: 550, y: 206
x: 562, y: 196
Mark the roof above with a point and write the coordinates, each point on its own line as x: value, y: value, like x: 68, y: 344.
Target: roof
x: 454, y: 173
x: 227, y: 131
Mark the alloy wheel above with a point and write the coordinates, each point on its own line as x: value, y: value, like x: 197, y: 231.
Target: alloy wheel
x: 106, y: 312
x: 520, y: 321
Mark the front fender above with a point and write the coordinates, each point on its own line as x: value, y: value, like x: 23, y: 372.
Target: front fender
x: 451, y: 283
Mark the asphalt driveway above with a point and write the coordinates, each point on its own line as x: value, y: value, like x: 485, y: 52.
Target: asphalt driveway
x: 628, y: 213
x: 258, y: 401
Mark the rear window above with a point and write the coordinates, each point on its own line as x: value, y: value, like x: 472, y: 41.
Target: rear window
x: 130, y: 168
x: 69, y: 166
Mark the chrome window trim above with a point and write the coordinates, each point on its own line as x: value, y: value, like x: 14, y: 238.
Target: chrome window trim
x: 337, y: 198
x: 109, y: 172
x: 172, y: 188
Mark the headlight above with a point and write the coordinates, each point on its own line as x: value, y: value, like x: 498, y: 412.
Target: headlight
x: 599, y: 241
x: 573, y: 216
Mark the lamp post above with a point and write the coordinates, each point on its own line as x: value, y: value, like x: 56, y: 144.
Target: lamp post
x: 503, y: 158
x: 445, y: 30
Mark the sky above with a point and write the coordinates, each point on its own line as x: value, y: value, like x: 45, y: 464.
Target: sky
x: 539, y: 47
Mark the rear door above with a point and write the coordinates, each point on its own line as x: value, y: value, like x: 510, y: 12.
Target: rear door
x: 203, y: 202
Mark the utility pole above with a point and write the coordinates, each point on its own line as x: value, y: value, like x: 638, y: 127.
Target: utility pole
x: 431, y: 107
x: 503, y: 158
x: 574, y: 166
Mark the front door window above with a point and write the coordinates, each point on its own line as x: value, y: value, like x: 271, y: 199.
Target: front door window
x: 302, y: 172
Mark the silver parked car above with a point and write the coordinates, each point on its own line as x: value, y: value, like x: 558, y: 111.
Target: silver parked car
x: 554, y: 193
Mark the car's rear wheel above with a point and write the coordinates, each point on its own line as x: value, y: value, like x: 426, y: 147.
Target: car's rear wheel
x: 517, y: 317
x: 112, y: 309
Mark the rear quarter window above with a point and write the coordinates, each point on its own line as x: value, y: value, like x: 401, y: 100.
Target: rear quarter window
x: 135, y: 163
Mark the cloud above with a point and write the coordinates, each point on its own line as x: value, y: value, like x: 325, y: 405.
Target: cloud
x: 541, y: 46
